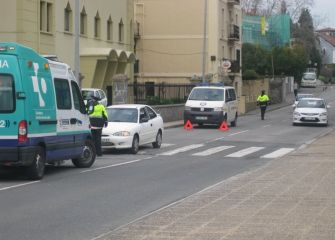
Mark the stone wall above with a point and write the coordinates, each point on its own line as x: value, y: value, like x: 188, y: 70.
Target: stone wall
x: 170, y: 113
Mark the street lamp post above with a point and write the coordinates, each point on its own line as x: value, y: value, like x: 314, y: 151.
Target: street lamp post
x: 204, y: 44
x: 77, y: 42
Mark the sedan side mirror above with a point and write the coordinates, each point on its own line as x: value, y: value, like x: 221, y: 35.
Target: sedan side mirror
x: 328, y: 106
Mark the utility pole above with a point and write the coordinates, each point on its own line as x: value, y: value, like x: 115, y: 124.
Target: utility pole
x: 204, y: 44
x: 77, y: 41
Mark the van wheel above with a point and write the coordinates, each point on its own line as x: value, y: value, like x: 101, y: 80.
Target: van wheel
x: 234, y: 123
x: 158, y: 142
x: 87, y: 157
x: 136, y: 145
x: 36, y: 170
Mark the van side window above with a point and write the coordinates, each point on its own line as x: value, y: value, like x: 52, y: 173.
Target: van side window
x: 63, y: 94
x: 232, y: 94
x: 226, y: 96
x: 77, y: 98
x: 7, y: 95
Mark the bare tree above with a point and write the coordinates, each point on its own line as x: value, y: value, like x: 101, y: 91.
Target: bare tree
x: 269, y: 7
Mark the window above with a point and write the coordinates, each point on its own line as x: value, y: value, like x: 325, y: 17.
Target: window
x: 97, y: 26
x: 110, y: 29
x: 121, y: 31
x: 83, y: 22
x: 143, y: 114
x: 46, y: 16
x: 77, y: 98
x: 68, y: 18
x: 151, y: 112
x: 63, y: 94
x: 232, y: 94
x: 7, y: 94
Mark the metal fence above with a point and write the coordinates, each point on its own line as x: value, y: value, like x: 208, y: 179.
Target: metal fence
x: 162, y: 93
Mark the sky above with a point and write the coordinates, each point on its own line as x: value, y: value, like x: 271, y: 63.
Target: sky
x: 324, y: 10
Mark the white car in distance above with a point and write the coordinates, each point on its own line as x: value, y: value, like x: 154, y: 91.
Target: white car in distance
x: 311, y: 111
x: 130, y: 126
x: 87, y: 93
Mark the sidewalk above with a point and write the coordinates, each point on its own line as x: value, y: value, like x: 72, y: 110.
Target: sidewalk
x: 288, y: 198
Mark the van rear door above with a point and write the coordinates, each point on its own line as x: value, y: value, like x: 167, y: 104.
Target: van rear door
x: 12, y: 109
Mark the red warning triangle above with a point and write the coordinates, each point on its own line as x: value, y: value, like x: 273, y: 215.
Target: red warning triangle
x: 188, y: 125
x: 224, y: 126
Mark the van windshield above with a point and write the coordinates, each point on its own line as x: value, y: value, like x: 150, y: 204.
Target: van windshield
x: 6, y: 93
x: 309, y: 76
x: 207, y: 94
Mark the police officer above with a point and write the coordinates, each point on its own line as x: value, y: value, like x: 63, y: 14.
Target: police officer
x: 263, y: 101
x: 98, y: 119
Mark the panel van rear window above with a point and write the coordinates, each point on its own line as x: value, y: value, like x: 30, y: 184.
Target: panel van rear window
x: 7, y: 93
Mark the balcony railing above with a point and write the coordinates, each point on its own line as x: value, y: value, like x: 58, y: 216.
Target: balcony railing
x: 234, y: 33
x: 234, y: 2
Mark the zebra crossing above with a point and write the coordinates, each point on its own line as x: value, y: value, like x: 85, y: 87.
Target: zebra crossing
x: 234, y: 151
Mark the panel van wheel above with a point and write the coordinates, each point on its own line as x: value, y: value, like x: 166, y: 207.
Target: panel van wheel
x: 158, y: 142
x: 87, y: 157
x: 136, y: 145
x: 36, y: 170
x: 234, y: 123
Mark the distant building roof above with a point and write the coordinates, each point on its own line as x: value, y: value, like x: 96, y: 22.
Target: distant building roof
x: 329, y: 39
x: 323, y: 30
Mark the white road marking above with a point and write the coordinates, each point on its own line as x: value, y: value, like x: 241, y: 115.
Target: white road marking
x: 116, y: 165
x: 232, y: 134
x: 212, y: 151
x: 167, y: 145
x: 182, y: 149
x: 266, y: 126
x: 245, y: 152
x: 278, y: 153
x: 18, y: 185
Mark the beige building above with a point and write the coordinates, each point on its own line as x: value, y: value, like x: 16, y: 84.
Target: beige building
x: 170, y: 35
x: 106, y: 34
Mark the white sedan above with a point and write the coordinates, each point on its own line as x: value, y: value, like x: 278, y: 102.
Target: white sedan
x: 311, y: 111
x: 130, y: 126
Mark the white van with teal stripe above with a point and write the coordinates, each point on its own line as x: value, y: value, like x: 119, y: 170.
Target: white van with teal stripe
x: 42, y: 114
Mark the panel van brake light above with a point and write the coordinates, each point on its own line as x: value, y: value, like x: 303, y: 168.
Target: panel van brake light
x: 23, y: 131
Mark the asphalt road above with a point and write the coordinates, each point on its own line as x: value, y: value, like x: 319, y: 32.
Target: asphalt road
x: 72, y: 203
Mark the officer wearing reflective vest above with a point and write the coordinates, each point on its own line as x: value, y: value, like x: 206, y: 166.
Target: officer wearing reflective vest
x: 98, y: 119
x: 263, y: 101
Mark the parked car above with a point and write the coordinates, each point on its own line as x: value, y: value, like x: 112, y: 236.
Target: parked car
x: 301, y: 96
x: 96, y: 92
x: 130, y: 126
x: 311, y: 111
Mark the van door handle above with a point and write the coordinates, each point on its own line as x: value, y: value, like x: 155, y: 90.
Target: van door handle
x: 73, y: 120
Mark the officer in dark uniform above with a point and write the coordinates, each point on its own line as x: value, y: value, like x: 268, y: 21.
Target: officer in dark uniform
x: 98, y: 119
x: 263, y: 101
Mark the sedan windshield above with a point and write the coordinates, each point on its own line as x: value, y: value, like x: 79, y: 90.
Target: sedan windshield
x: 122, y: 115
x: 300, y: 96
x: 311, y: 104
x: 207, y: 94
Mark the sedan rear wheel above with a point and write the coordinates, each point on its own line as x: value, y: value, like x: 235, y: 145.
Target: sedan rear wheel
x: 158, y: 142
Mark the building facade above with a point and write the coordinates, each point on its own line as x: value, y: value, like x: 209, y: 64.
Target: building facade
x: 169, y: 37
x: 48, y: 26
x: 327, y: 45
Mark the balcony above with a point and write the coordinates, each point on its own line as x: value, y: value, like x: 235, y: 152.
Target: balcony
x: 233, y: 2
x: 234, y: 33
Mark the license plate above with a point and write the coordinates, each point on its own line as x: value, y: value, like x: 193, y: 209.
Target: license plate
x: 309, y: 118
x: 201, y: 118
x: 105, y: 140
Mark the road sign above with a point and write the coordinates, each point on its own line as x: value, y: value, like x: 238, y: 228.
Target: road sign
x: 226, y: 64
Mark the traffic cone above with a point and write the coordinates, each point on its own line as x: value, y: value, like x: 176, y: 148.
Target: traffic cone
x: 188, y: 125
x: 224, y: 126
